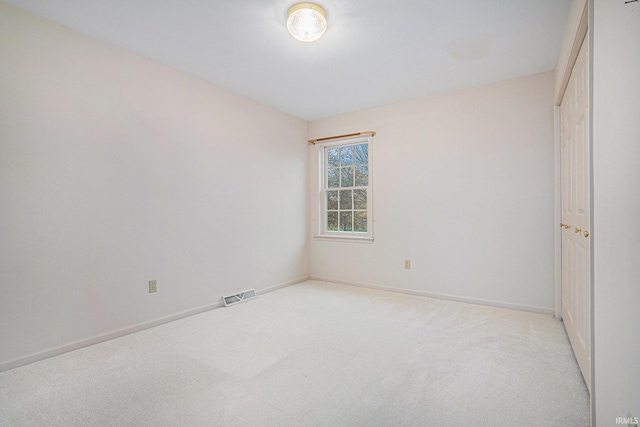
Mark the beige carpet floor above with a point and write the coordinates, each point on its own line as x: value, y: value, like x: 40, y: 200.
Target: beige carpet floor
x: 314, y: 354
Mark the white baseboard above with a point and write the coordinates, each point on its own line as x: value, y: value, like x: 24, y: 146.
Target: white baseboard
x: 34, y: 357
x: 283, y: 285
x: 521, y: 307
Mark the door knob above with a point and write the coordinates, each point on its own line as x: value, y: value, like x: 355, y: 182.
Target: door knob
x: 586, y: 233
x: 576, y: 230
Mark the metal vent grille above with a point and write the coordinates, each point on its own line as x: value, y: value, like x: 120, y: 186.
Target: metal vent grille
x: 237, y: 298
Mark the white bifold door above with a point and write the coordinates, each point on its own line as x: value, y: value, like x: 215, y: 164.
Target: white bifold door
x: 576, y: 208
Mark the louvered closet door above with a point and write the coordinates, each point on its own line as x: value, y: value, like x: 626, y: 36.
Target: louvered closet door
x: 576, y: 200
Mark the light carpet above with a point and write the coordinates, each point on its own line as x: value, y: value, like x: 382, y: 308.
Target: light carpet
x: 314, y: 354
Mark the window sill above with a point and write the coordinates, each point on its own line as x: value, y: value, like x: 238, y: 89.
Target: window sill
x: 328, y: 238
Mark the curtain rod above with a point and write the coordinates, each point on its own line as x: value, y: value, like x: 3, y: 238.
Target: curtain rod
x: 369, y: 132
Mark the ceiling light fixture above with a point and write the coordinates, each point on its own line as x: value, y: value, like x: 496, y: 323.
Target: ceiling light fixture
x: 307, y: 22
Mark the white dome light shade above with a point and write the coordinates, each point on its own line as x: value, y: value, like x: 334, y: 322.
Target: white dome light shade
x: 307, y: 22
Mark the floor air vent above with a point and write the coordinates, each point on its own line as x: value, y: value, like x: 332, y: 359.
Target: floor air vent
x: 236, y: 298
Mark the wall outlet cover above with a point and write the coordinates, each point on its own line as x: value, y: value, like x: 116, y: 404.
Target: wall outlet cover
x: 153, y: 286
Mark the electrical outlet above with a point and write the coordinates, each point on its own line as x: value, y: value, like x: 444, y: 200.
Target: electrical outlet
x: 153, y: 286
x: 407, y: 264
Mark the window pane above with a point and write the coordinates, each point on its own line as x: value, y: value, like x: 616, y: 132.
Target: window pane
x: 362, y: 154
x: 360, y: 199
x: 347, y: 177
x: 345, y: 221
x: 333, y: 177
x: 346, y: 155
x: 362, y: 175
x: 346, y: 189
x: 332, y: 200
x: 360, y: 221
x: 345, y: 199
x: 332, y: 221
x: 333, y: 156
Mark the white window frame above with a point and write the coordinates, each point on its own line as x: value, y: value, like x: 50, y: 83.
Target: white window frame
x: 348, y: 236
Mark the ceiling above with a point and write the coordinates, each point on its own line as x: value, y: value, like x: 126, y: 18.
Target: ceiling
x: 374, y: 52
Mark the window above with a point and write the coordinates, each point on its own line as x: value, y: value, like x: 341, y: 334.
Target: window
x: 345, y: 190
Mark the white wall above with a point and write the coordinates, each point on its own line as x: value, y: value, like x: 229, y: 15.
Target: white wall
x: 115, y: 170
x: 463, y: 188
x: 616, y: 217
